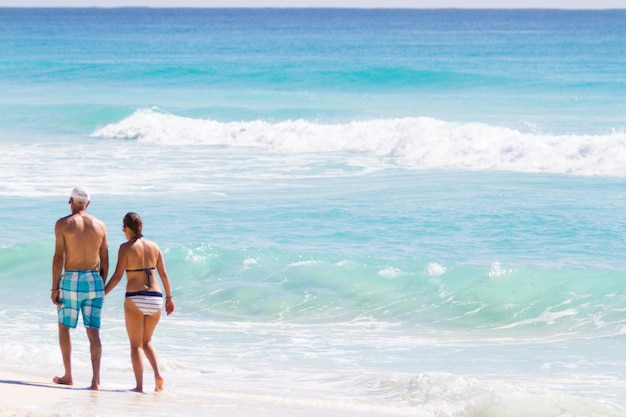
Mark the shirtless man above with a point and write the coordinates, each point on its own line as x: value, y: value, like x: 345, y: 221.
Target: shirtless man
x: 79, y: 270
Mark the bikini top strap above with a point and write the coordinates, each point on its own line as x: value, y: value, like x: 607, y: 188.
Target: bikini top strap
x: 141, y: 269
x: 148, y: 273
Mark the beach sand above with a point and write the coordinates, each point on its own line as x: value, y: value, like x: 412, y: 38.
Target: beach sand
x: 37, y: 396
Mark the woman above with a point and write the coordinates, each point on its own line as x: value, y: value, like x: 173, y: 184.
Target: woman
x: 139, y: 257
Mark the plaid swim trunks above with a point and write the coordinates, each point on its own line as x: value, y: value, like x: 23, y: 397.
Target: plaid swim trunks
x: 81, y: 291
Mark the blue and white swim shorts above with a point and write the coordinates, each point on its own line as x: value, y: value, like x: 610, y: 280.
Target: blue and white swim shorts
x: 81, y: 291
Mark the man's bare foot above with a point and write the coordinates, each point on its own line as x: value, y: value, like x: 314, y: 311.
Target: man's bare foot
x: 95, y: 386
x: 62, y: 380
x: 137, y: 389
x: 158, y: 386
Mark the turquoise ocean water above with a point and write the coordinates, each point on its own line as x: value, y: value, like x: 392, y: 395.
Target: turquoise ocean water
x: 363, y: 212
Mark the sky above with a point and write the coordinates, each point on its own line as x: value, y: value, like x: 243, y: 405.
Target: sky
x: 498, y: 4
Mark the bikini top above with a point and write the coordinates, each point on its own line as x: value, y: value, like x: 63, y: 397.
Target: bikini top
x: 148, y: 270
x: 148, y: 273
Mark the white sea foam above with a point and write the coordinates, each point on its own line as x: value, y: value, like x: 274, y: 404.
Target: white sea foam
x: 497, y: 270
x: 421, y: 142
x: 389, y: 272
x: 250, y: 261
x: 155, y: 152
x: 434, y: 269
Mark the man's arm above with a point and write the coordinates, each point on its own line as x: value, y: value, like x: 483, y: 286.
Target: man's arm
x: 104, y: 256
x: 57, y: 262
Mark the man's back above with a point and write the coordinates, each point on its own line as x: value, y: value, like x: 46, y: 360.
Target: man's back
x: 83, y: 237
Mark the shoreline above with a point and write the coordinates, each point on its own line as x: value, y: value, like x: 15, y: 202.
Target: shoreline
x: 36, y: 396
x: 32, y: 395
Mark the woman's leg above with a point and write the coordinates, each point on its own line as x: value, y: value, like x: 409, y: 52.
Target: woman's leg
x: 150, y: 323
x: 135, y: 329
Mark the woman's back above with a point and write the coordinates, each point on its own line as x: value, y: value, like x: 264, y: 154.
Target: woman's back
x: 142, y: 256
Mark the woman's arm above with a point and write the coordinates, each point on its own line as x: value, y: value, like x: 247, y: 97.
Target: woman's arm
x: 122, y: 260
x: 167, y: 289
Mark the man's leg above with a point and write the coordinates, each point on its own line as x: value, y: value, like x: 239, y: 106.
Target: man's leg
x: 96, y: 354
x: 65, y: 342
x: 91, y: 310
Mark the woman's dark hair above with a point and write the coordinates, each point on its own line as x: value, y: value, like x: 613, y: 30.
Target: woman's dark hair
x: 134, y: 223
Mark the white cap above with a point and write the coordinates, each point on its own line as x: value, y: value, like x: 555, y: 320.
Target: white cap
x: 80, y: 194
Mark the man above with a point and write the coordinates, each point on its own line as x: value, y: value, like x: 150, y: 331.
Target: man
x: 79, y: 270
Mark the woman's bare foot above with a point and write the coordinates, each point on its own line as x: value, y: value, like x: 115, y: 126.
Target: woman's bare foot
x: 137, y: 389
x: 62, y: 380
x: 158, y: 386
x: 95, y: 386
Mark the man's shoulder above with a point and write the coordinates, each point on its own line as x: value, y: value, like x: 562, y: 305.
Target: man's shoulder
x: 81, y: 219
x: 64, y: 220
x: 97, y: 221
x: 91, y: 217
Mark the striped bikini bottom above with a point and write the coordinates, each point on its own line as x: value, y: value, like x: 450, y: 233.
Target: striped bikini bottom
x: 148, y: 302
